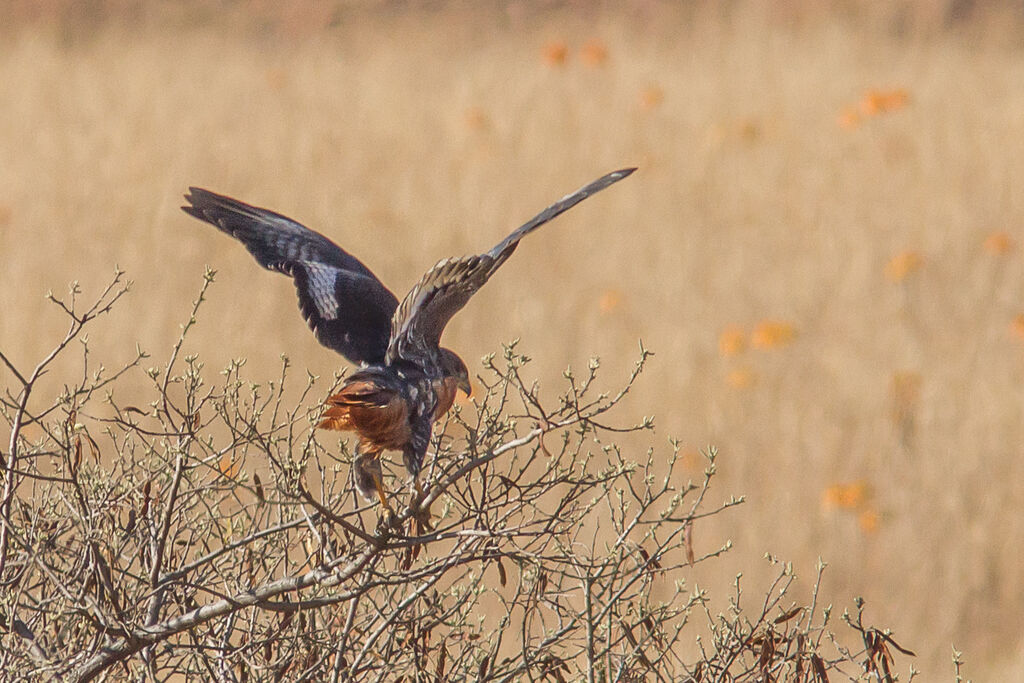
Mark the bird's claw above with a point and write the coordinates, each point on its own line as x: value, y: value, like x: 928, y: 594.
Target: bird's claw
x: 388, y: 521
x: 420, y: 513
x: 422, y: 517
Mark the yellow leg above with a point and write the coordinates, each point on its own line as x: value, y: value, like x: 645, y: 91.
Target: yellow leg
x: 369, y: 479
x: 379, y: 486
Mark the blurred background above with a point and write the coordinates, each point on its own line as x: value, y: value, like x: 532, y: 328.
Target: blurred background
x: 822, y: 244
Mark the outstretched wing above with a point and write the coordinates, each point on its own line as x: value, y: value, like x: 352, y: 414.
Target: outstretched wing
x: 347, y: 307
x: 442, y: 292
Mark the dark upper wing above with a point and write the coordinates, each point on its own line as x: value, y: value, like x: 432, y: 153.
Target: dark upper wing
x: 347, y: 307
x: 420, y: 319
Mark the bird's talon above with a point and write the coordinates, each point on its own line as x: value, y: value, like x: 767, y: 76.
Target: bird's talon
x: 389, y: 520
x: 422, y: 517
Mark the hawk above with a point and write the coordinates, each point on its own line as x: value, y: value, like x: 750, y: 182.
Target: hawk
x: 406, y: 381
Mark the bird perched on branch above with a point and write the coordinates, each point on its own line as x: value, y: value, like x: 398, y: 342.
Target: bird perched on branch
x: 407, y: 380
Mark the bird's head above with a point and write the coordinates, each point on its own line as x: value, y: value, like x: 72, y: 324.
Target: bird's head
x: 453, y: 367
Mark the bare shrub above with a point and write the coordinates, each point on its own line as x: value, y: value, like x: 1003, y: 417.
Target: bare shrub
x: 139, y: 540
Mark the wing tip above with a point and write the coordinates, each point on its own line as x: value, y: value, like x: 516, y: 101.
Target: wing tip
x: 194, y: 197
x: 195, y: 193
x: 213, y: 208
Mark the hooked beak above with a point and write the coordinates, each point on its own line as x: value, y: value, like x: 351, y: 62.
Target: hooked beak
x: 465, y: 386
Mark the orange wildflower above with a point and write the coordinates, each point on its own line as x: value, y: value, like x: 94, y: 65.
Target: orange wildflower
x: 999, y: 243
x: 903, y: 264
x: 651, y: 97
x: 770, y: 334
x: 610, y: 300
x: 555, y: 53
x: 731, y: 341
x: 846, y: 496
x: 849, y: 118
x: 868, y: 520
x: 594, y: 53
x: 1017, y: 326
x: 877, y: 102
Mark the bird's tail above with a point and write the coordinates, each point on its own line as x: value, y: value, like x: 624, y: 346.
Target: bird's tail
x: 338, y: 416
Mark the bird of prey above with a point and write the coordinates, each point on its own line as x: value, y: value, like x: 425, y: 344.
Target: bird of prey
x: 406, y: 381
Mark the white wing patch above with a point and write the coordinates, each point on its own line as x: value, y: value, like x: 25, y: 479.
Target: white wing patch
x: 321, y: 289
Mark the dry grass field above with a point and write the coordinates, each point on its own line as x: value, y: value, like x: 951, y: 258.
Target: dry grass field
x: 822, y: 246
